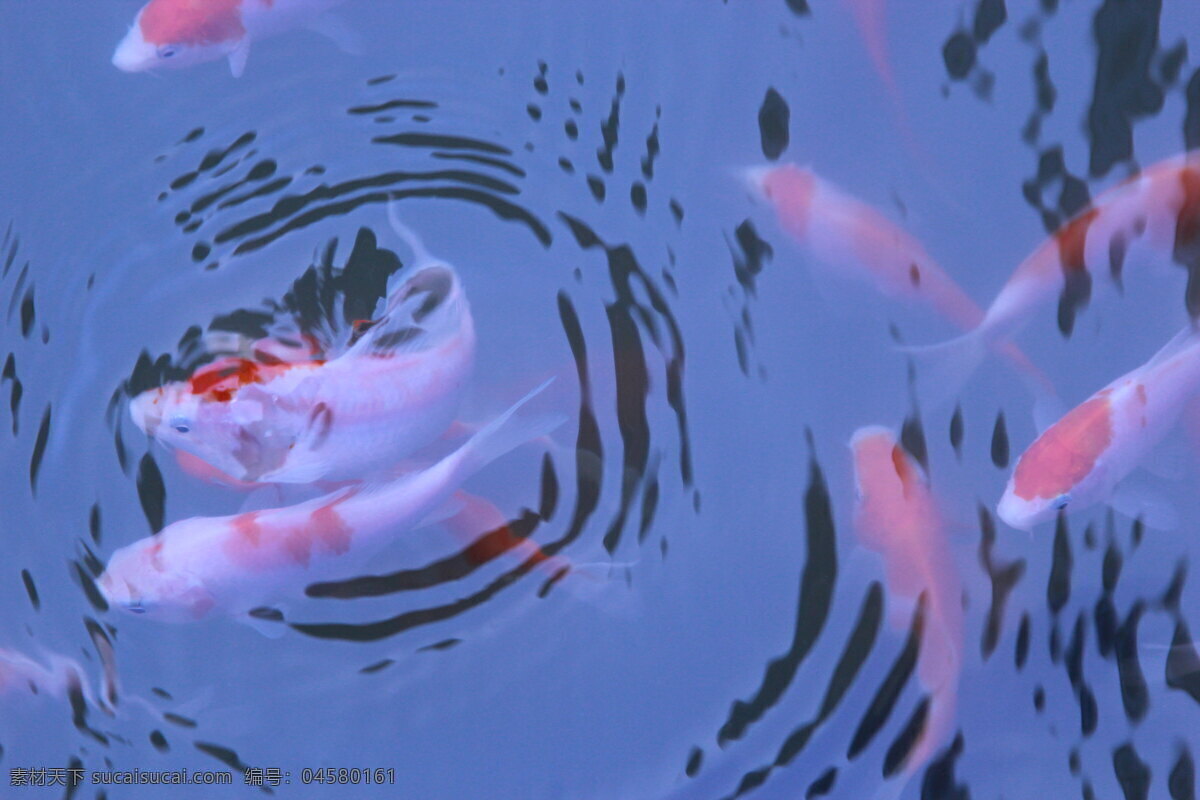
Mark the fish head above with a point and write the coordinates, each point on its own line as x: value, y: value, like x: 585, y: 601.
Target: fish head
x: 172, y: 34
x: 216, y: 432
x: 778, y: 181
x: 139, y: 580
x: 1023, y: 514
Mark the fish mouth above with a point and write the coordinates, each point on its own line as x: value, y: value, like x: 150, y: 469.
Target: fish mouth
x: 133, y: 54
x: 753, y: 179
x: 120, y: 593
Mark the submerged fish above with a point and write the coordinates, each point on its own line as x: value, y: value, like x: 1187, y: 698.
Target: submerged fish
x: 234, y: 564
x: 1079, y: 461
x: 61, y: 679
x: 1160, y: 207
x: 897, y: 517
x: 851, y: 240
x: 180, y: 33
x: 395, y: 389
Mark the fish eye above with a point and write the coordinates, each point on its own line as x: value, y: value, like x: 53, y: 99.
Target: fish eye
x: 166, y: 51
x: 1061, y: 501
x: 180, y: 424
x: 136, y: 607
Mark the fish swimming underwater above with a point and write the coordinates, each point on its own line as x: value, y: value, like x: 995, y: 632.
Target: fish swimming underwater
x: 1159, y: 208
x: 897, y: 517
x: 63, y: 678
x: 180, y: 33
x: 851, y: 240
x: 395, y: 389
x: 1079, y: 461
x: 230, y: 565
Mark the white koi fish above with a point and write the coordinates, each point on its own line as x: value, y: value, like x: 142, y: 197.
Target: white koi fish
x: 897, y: 517
x: 853, y: 241
x: 21, y: 674
x: 180, y: 33
x: 1078, y: 462
x: 231, y: 565
x: 1159, y: 208
x: 393, y: 391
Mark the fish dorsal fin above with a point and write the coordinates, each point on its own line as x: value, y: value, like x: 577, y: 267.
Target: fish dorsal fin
x: 423, y: 312
x: 1140, y: 500
x: 334, y: 28
x: 421, y: 256
x: 1180, y: 340
x: 238, y: 56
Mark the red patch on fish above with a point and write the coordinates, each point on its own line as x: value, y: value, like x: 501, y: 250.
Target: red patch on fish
x: 1066, y: 453
x: 246, y: 528
x: 1072, y: 238
x: 220, y: 380
x: 791, y: 191
x: 154, y: 555
x: 331, y: 529
x: 1187, y: 223
x: 260, y: 542
x: 193, y: 22
x: 904, y: 470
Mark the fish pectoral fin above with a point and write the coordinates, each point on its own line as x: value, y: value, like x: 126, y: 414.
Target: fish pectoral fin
x: 334, y: 28
x: 1140, y: 501
x: 943, y: 369
x: 238, y: 56
x: 1169, y: 459
x: 447, y: 510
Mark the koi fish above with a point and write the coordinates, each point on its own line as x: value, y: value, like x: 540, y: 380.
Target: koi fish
x: 205, y: 565
x: 62, y: 678
x: 1079, y: 461
x: 395, y: 389
x: 897, y: 517
x: 851, y: 240
x: 180, y: 33
x: 1159, y: 207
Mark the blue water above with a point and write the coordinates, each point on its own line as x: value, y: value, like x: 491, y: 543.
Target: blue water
x: 595, y: 226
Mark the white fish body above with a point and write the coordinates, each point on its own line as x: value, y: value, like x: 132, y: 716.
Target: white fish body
x: 1158, y: 209
x: 230, y: 565
x: 1078, y: 462
x: 389, y: 394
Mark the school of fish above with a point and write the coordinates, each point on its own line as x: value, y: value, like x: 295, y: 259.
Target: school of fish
x: 1081, y: 458
x: 359, y: 420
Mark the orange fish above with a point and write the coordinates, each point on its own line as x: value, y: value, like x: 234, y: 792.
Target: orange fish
x: 180, y: 33
x: 1080, y: 460
x: 851, y: 240
x: 231, y: 565
x: 1160, y: 207
x: 897, y: 517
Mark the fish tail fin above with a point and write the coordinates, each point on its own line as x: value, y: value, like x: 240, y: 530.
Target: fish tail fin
x: 943, y: 369
x: 1048, y: 408
x: 506, y: 432
x: 421, y: 256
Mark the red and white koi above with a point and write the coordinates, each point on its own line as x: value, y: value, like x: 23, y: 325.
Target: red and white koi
x: 897, y: 517
x: 180, y: 33
x: 395, y: 389
x: 1158, y: 208
x: 854, y: 241
x: 1079, y: 461
x: 230, y: 565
